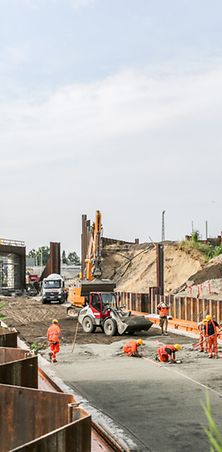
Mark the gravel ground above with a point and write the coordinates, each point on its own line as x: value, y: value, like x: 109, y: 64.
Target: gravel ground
x: 31, y: 319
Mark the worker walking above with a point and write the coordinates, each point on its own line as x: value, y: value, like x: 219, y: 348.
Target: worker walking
x: 211, y: 335
x: 163, y: 310
x: 167, y: 353
x: 131, y: 348
x: 54, y: 335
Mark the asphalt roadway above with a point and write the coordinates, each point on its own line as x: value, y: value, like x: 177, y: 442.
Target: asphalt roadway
x: 158, y: 405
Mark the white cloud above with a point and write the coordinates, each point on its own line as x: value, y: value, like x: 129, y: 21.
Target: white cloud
x: 123, y: 105
x: 102, y: 145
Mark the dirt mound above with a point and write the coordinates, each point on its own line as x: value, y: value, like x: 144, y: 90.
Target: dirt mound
x: 133, y: 267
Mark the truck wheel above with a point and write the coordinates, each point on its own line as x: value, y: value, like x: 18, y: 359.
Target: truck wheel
x: 88, y: 325
x: 110, y: 327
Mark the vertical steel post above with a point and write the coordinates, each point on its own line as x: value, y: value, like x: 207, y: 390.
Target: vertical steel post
x: 83, y: 243
x: 160, y: 268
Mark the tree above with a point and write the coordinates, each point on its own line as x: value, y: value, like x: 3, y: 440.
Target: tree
x: 64, y: 258
x: 41, y: 255
x: 73, y: 258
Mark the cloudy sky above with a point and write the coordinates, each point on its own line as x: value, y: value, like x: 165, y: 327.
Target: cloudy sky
x: 113, y: 105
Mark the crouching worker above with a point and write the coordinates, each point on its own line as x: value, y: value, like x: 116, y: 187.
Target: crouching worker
x: 54, y: 335
x: 131, y: 348
x: 167, y: 352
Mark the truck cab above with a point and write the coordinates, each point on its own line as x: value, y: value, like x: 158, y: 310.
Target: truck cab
x: 53, y: 289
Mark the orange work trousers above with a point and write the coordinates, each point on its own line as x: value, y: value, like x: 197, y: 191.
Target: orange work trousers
x: 212, y: 345
x: 203, y: 342
x: 163, y: 357
x: 54, y: 349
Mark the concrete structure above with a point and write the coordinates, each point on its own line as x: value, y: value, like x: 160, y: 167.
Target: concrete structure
x: 12, y: 265
x: 159, y: 406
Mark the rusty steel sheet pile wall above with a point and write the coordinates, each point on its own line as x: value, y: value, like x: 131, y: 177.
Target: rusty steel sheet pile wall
x: 181, y: 308
x: 54, y: 261
x: 43, y: 421
x: 18, y: 368
x: 8, y: 338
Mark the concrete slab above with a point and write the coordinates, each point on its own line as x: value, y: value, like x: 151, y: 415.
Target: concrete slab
x: 158, y: 405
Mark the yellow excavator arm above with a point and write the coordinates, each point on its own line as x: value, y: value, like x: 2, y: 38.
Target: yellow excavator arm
x: 93, y: 260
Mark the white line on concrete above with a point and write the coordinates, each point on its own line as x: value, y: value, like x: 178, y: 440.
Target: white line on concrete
x: 185, y: 376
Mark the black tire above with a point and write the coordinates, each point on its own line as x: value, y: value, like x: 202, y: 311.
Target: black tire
x: 88, y: 325
x: 110, y: 327
x: 44, y: 302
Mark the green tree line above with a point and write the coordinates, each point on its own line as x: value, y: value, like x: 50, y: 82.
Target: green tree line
x: 41, y: 256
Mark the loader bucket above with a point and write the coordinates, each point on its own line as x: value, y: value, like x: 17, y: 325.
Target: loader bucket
x: 133, y: 324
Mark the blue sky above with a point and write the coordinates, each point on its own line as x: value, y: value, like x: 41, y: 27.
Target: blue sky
x: 113, y: 105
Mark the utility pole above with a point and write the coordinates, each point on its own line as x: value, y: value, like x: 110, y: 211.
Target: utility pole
x: 206, y: 229
x: 163, y: 225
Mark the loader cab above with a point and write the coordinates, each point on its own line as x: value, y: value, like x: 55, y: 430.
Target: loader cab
x: 101, y: 302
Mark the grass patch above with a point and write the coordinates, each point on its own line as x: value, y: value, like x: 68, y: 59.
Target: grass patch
x: 208, y: 251
x: 212, y: 431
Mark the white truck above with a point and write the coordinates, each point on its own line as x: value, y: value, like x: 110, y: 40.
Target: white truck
x: 53, y: 289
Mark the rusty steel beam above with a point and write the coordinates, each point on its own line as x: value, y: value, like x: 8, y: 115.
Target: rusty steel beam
x: 18, y: 367
x: 160, y: 268
x: 8, y: 338
x: 83, y: 243
x: 54, y: 261
x: 34, y: 420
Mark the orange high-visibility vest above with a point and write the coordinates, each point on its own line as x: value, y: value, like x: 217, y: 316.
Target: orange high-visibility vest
x: 53, y: 333
x: 163, y: 311
x: 130, y: 347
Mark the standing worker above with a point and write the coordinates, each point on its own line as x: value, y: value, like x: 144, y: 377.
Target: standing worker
x: 167, y: 352
x: 203, y: 340
x: 211, y: 335
x: 163, y: 310
x: 54, y: 335
x: 131, y: 348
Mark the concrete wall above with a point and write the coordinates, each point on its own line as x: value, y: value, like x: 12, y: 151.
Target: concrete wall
x: 6, y: 254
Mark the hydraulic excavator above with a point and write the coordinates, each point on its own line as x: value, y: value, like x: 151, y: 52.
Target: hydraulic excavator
x: 94, y: 301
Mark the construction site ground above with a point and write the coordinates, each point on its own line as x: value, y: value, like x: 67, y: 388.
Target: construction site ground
x: 158, y: 406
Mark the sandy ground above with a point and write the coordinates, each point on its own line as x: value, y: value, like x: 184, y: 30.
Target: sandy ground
x: 134, y: 268
x: 159, y: 406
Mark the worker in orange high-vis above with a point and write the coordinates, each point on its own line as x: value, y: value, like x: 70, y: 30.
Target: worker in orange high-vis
x: 54, y: 335
x: 163, y: 311
x: 212, y: 329
x: 131, y: 348
x: 167, y: 353
x: 203, y: 339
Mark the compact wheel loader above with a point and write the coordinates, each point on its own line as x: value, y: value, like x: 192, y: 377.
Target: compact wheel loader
x: 100, y: 310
